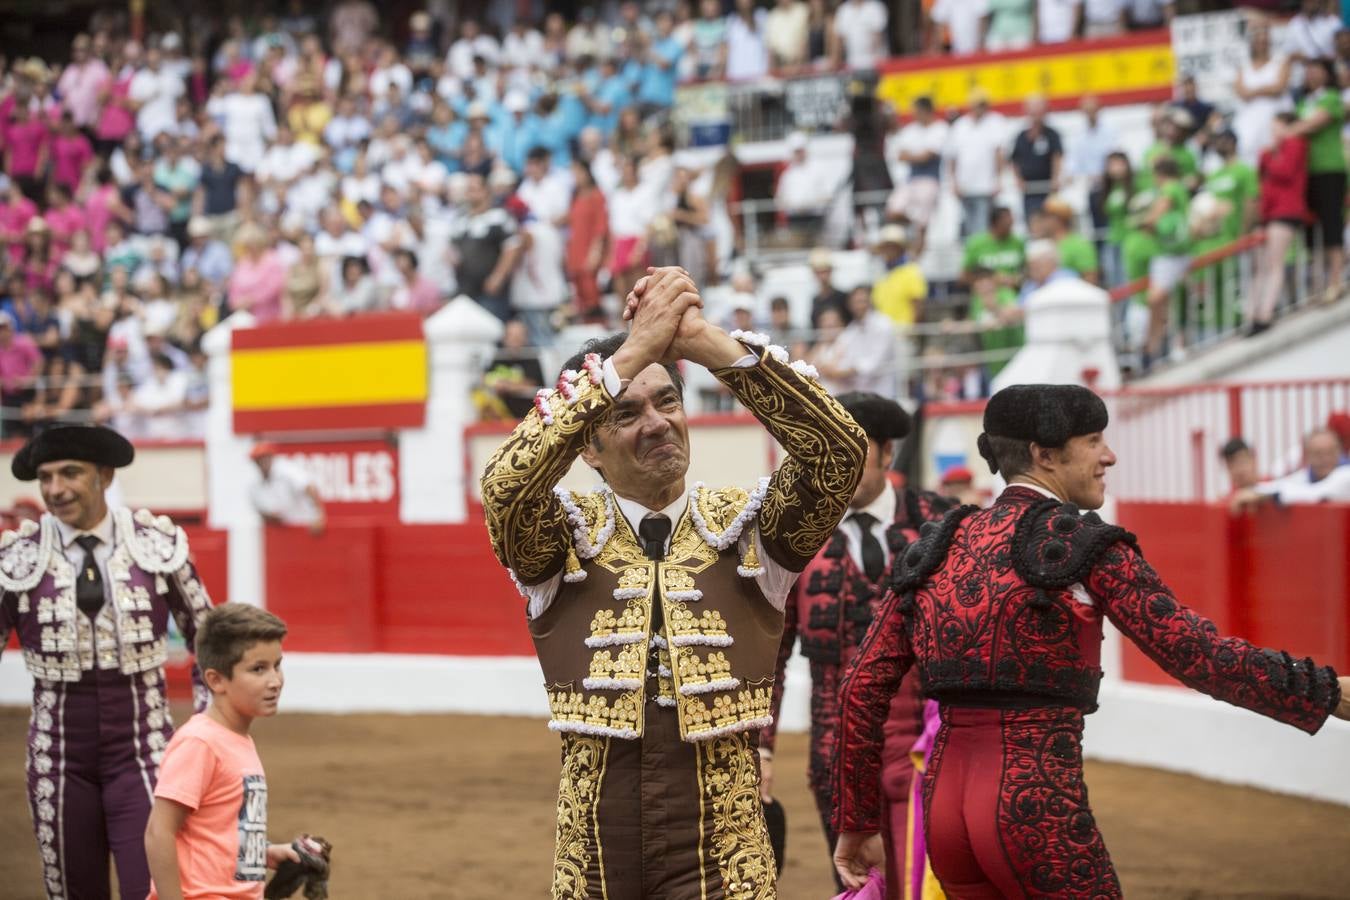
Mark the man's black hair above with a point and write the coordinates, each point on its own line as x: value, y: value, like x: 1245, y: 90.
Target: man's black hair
x: 539, y: 154
x: 1232, y: 447
x: 605, y: 347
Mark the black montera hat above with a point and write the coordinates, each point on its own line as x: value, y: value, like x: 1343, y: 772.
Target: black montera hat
x: 1046, y: 414
x: 87, y: 443
x: 883, y: 420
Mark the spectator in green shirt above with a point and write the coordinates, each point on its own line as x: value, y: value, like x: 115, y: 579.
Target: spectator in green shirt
x: 1320, y: 117
x: 1233, y: 190
x: 1117, y: 191
x: 996, y: 310
x: 998, y: 250
x: 1076, y: 252
x: 1176, y: 124
x: 1167, y: 219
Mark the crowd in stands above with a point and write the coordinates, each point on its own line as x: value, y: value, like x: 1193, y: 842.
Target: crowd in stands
x: 300, y: 166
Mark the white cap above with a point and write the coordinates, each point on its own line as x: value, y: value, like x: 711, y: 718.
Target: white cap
x: 171, y: 41
x: 796, y: 141
x: 516, y: 102
x: 892, y: 234
x: 742, y: 300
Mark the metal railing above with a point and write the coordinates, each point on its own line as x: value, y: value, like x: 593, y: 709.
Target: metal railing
x: 1168, y: 439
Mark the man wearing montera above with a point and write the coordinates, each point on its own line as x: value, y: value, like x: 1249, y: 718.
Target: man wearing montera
x: 89, y: 590
x: 829, y: 609
x: 1001, y: 611
x: 656, y: 608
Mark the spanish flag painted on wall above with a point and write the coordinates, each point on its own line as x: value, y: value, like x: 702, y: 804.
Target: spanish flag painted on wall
x: 323, y: 375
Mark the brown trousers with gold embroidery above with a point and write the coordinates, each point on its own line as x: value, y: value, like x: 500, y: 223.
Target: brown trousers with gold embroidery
x: 661, y: 819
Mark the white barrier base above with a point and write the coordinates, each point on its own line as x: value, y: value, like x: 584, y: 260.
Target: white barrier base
x: 1182, y: 731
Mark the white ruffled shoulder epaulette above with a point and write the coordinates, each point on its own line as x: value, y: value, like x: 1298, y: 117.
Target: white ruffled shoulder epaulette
x: 23, y: 555
x: 156, y: 544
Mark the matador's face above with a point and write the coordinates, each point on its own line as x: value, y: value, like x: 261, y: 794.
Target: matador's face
x: 644, y: 440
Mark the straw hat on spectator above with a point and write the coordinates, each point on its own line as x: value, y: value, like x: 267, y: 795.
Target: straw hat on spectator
x: 37, y: 225
x: 1059, y: 208
x: 33, y: 69
x: 250, y: 235
x: 476, y: 110
x: 199, y: 226
x: 420, y: 22
x: 821, y: 259
x: 978, y: 96
x: 892, y: 234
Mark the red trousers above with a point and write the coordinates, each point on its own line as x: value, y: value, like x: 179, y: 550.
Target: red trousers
x: 1006, y: 810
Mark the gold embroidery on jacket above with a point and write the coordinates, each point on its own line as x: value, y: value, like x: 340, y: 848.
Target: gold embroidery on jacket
x: 693, y: 671
x: 811, y: 489
x: 584, y: 712
x: 526, y: 522
x: 620, y: 665
x: 729, y: 782
x: 727, y: 709
x: 583, y: 774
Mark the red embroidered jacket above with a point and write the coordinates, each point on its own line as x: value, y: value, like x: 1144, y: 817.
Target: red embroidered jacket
x: 830, y: 608
x: 983, y: 605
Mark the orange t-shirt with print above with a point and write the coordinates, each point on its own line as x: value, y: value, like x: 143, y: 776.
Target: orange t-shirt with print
x: 222, y: 846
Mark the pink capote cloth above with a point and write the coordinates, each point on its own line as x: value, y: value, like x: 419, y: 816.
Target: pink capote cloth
x: 875, y: 889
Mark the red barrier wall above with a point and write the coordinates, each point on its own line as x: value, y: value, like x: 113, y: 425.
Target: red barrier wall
x: 1278, y: 578
x: 394, y: 589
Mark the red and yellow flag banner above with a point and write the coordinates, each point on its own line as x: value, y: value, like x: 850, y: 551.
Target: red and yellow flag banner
x: 1135, y: 68
x: 330, y: 375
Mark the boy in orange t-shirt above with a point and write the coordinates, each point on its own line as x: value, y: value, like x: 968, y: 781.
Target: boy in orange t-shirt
x: 207, y: 834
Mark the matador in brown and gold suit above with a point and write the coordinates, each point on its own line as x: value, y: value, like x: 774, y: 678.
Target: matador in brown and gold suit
x: 655, y: 607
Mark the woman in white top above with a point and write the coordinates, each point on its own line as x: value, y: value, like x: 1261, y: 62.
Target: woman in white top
x: 1260, y: 87
x: 631, y: 210
x: 747, y: 55
x: 247, y: 121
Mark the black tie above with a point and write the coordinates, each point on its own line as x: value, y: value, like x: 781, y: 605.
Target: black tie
x: 654, y: 530
x: 89, y: 587
x: 873, y: 557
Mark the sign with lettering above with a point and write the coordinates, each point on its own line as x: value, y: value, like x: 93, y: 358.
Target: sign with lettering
x: 355, y: 479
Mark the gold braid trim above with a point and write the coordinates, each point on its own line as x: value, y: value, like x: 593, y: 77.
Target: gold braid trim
x: 526, y: 522
x: 729, y: 781
x: 810, y: 491
x: 578, y: 799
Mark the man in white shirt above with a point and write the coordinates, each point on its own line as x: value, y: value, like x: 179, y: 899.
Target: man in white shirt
x: 920, y: 146
x: 472, y: 42
x: 975, y: 157
x: 1324, y: 478
x: 966, y: 22
x: 803, y: 191
x: 785, y: 33
x: 285, y: 493
x: 154, y: 91
x: 868, y: 344
x: 546, y: 191
x: 1312, y: 33
x: 860, y: 30
x: 1103, y: 18
x: 1058, y: 21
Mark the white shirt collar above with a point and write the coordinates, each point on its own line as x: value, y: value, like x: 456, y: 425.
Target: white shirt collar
x: 635, y: 512
x: 882, y: 507
x: 103, y: 531
x: 1035, y: 487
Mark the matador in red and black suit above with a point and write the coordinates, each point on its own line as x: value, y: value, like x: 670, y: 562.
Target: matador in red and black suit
x: 1001, y: 613
x: 831, y: 606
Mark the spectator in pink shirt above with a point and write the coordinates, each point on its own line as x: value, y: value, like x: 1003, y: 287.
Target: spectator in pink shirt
x: 415, y: 292
x: 116, y: 117
x: 82, y: 82
x: 40, y: 261
x: 20, y: 362
x: 103, y: 205
x: 71, y: 154
x: 259, y: 277
x: 26, y: 151
x: 15, y: 214
x: 63, y: 217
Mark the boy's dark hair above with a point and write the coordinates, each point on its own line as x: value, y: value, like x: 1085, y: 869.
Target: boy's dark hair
x: 606, y: 347
x: 539, y: 154
x: 1167, y: 167
x: 228, y: 630
x: 1233, y: 447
